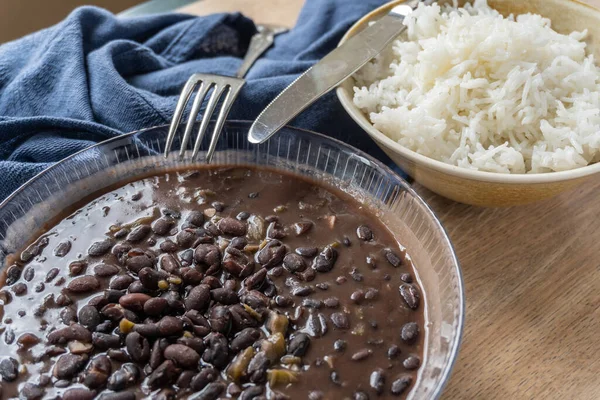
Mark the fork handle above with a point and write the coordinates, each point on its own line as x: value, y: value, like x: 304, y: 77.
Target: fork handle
x: 260, y: 42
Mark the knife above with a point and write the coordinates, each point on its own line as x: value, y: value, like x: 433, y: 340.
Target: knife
x: 328, y: 73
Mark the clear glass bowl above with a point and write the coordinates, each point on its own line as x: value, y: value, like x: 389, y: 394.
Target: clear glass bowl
x: 407, y: 216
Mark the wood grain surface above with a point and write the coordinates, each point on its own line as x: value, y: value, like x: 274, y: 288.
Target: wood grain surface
x: 532, y: 280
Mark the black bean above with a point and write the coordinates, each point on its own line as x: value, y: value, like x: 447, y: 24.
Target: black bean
x: 251, y: 392
x: 34, y: 249
x: 371, y: 294
x: 212, y: 391
x: 113, y: 296
x: 168, y: 246
x: 256, y: 280
x: 138, y: 233
x: 106, y: 270
x: 182, y: 355
x: 185, y: 378
x: 83, y: 284
x: 255, y: 299
x: 307, y: 251
x: 49, y: 276
x: 155, y: 306
x: 134, y: 301
x: 406, y: 277
x: 198, y: 298
x: 247, y: 337
x: 237, y: 263
x: 364, y: 233
x: 9, y: 336
x: 121, y: 233
x: 340, y: 345
x: 192, y: 342
x: 220, y: 319
x: 392, y: 257
x: 231, y: 226
x: 97, y: 372
x: 377, y: 381
x: 156, y: 354
x: 9, y: 369
x: 120, y: 249
x: 137, y: 262
x: 340, y: 320
x: 253, y: 195
x: 218, y: 206
x: 28, y: 274
x: 302, y: 290
x: 257, y: 368
x: 400, y: 385
x: 163, y: 225
x: 357, y: 276
x: 284, y: 301
x: 68, y: 365
x: 294, y: 263
x: 125, y: 376
x: 357, y: 296
x: 100, y: 248
x: 19, y: 289
x: 105, y: 341
x: 410, y: 295
x: 359, y: 395
x: 117, y: 396
x: 13, y: 273
x: 174, y: 301
x: 325, y: 261
x: 410, y: 332
x: 149, y: 278
x: 31, y: 391
x: 361, y: 354
x: 137, y: 347
x: 120, y: 282
x: 217, y: 350
x: 312, y: 303
x: 89, y: 317
x: 195, y: 218
x: 118, y: 355
x: 62, y: 249
x: 275, y: 230
x: 164, y: 375
x: 335, y: 378
x: 393, y: 352
x: 169, y: 326
x: 137, y: 287
x: 208, y: 257
x: 299, y: 344
x: 411, y: 362
x: 78, y: 394
x: 72, y: 332
x: 39, y: 287
x: 202, y: 379
x: 272, y: 254
x: 243, y: 215
x: 224, y: 296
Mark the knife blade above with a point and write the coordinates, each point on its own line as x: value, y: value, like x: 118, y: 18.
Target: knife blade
x: 328, y: 73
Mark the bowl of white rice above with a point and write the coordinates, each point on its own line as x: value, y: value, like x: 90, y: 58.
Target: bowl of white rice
x: 491, y: 103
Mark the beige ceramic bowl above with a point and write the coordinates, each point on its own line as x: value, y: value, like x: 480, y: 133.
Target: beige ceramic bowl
x: 476, y: 187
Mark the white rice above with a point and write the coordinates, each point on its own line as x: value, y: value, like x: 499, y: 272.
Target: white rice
x: 470, y: 88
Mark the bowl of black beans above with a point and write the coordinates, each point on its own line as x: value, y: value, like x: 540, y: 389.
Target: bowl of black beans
x: 297, y: 269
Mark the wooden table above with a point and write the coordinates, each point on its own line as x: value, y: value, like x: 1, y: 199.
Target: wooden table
x: 532, y: 279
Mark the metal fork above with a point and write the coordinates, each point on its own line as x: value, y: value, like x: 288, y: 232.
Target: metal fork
x: 230, y: 86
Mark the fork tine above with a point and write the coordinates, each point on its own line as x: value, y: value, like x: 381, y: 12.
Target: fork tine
x: 198, y: 100
x: 232, y: 94
x: 181, y: 103
x: 210, y: 108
